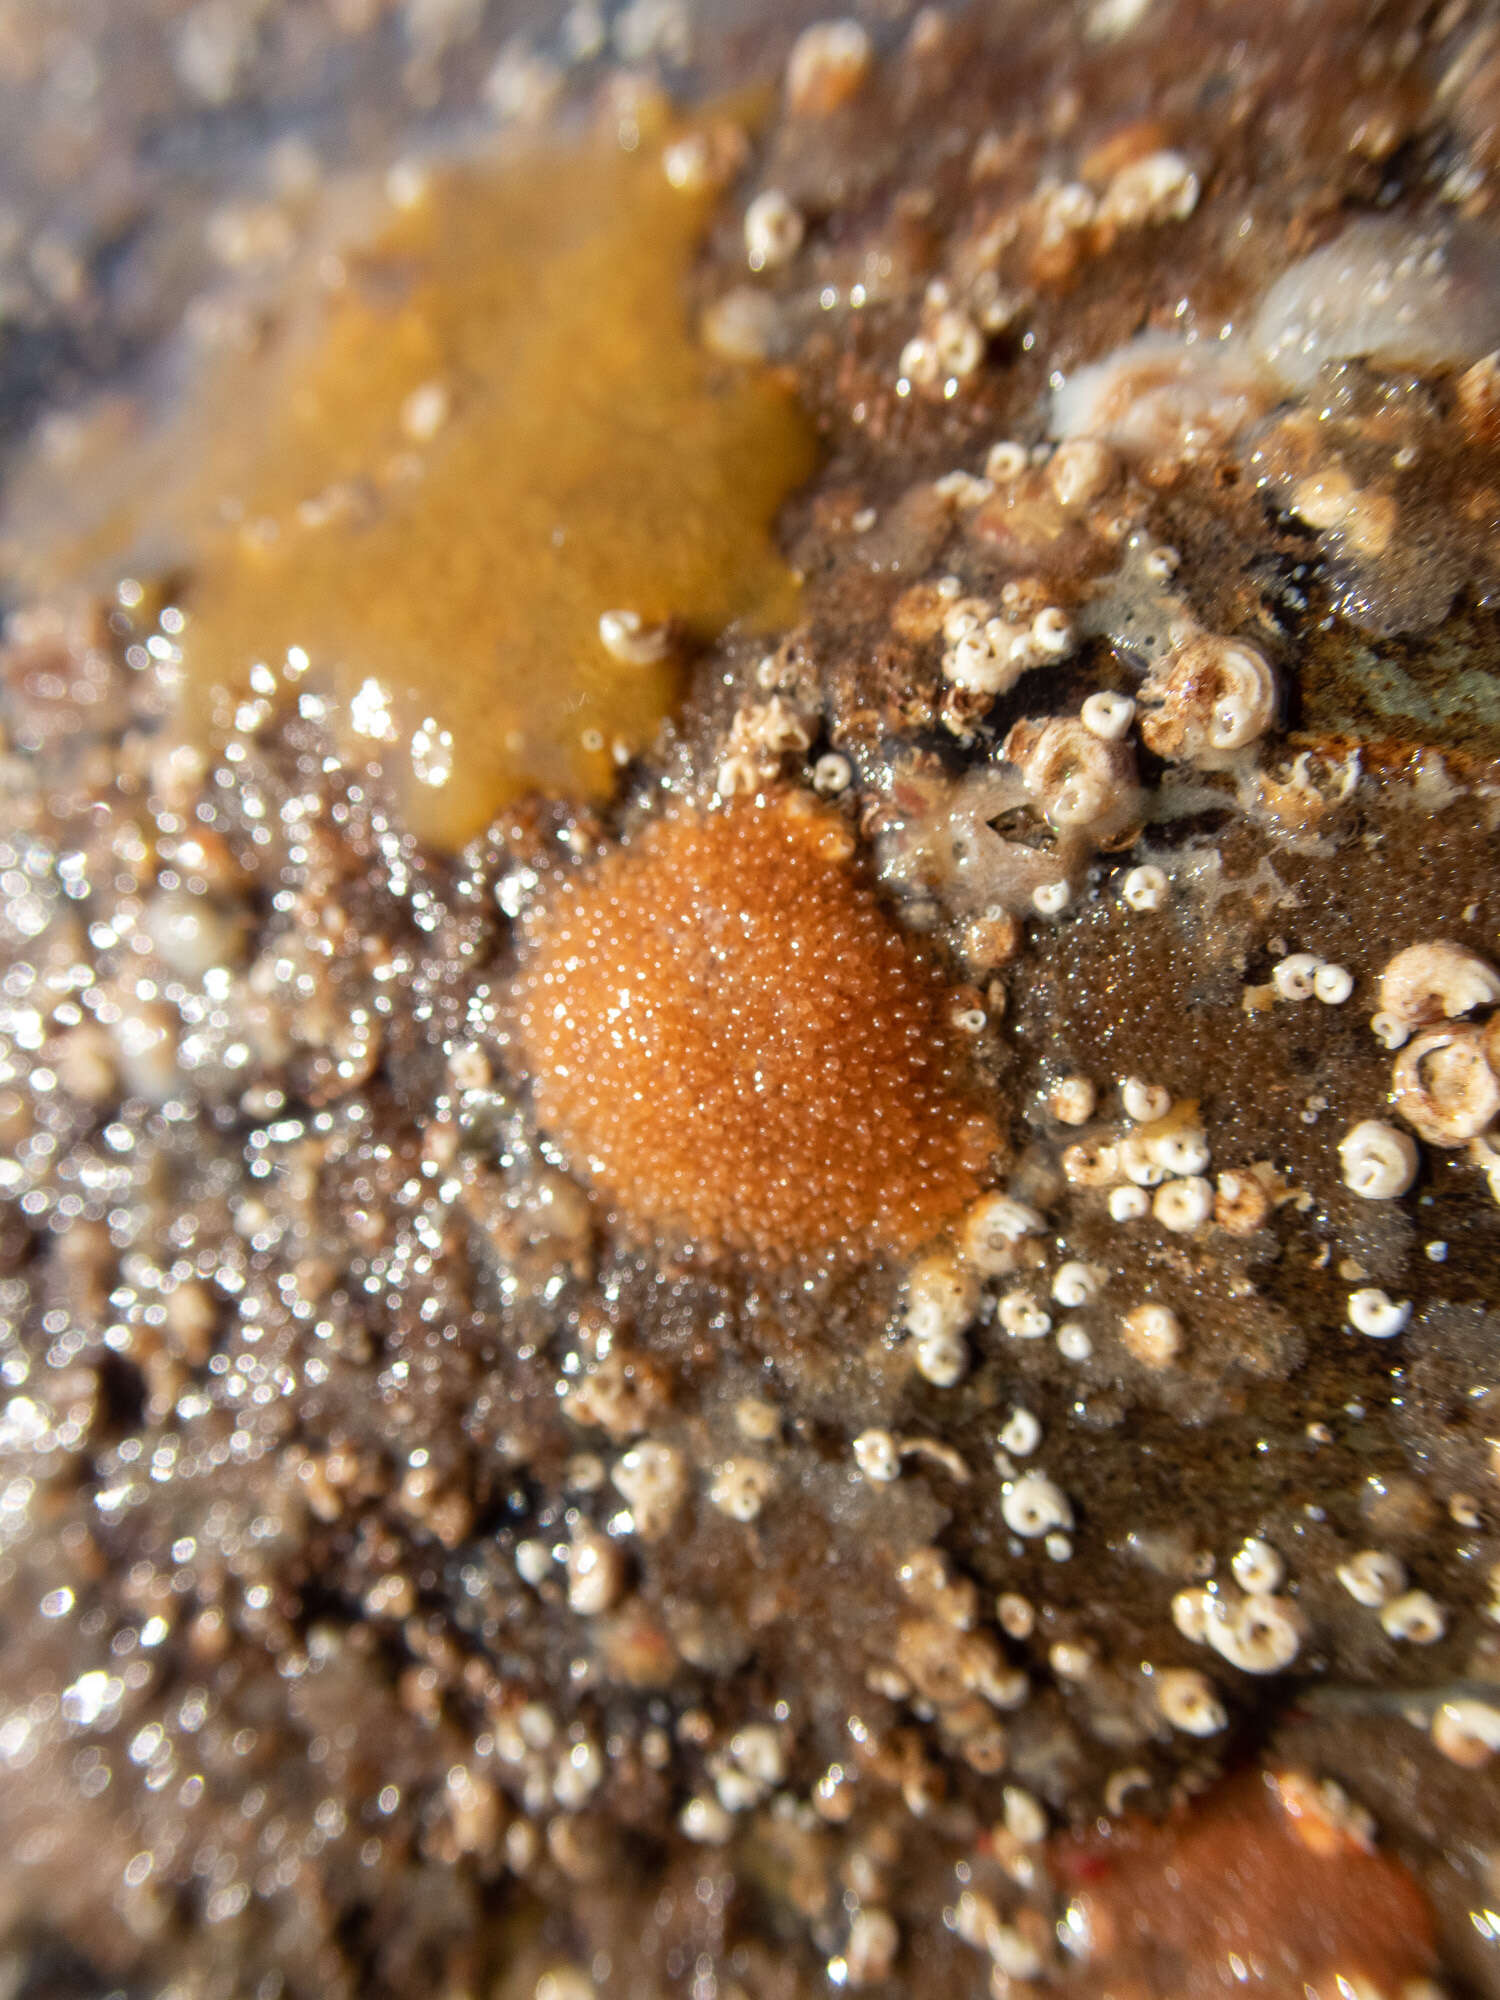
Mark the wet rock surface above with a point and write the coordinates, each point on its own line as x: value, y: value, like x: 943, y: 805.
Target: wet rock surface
x: 426, y: 1560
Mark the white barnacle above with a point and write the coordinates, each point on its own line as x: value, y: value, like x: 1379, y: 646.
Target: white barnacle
x: 1376, y: 1313
x: 878, y: 1457
x: 1075, y: 1283
x: 773, y: 231
x: 1034, y: 1505
x: 828, y: 63
x: 1414, y: 1616
x: 957, y: 343
x: 1433, y: 981
x: 1187, y: 1701
x: 942, y: 1359
x: 1082, y: 470
x: 1295, y: 976
x: 1021, y: 1433
x: 1107, y: 716
x: 1128, y: 1203
x: 1443, y: 1086
x: 1333, y: 984
x: 1372, y: 1577
x: 992, y: 1227
x: 1022, y: 1317
x: 1184, y: 1205
x: 941, y: 1296
x: 1006, y: 461
x: 1080, y: 783
x: 1073, y: 1100
x: 1050, y: 899
x: 1161, y: 187
x: 832, y: 774
x: 1145, y: 888
x: 1144, y: 1103
x: 1467, y: 1731
x: 704, y: 1820
x: 1184, y: 1151
x: 626, y: 637
x: 1138, y: 1161
x: 1377, y: 1161
x: 1258, y: 1569
x: 1052, y: 632
x: 740, y: 1487
x: 1073, y: 1342
x: 1192, y: 1611
x: 1259, y: 1635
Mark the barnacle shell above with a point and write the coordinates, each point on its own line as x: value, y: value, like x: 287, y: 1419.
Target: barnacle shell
x: 1443, y: 1086
x: 1435, y: 981
x: 1207, y: 700
x: 1082, y: 784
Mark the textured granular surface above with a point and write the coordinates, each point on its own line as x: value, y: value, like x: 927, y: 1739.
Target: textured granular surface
x: 730, y: 1037
x: 867, y: 1360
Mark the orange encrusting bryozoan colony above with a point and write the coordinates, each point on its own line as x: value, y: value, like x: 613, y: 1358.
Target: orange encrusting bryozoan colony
x: 737, y: 1046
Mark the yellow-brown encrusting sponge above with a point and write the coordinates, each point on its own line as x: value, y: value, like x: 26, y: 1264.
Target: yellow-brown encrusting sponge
x: 738, y: 1047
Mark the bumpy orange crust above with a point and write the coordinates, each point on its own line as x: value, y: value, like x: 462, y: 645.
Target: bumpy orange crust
x: 735, y: 1043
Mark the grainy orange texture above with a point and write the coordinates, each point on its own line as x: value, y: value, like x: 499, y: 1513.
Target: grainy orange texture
x: 735, y: 1043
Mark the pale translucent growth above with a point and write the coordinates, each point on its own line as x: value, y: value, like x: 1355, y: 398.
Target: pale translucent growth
x: 1435, y: 981
x: 1021, y: 1433
x: 1414, y: 1616
x: 1034, y: 1505
x: 1128, y: 1203
x: 1075, y: 1283
x: 1295, y: 976
x: 1259, y: 1635
x: 1258, y: 1569
x: 773, y: 231
x: 1145, y: 888
x: 1159, y: 397
x: 1188, y: 1702
x: 1152, y: 1334
x: 626, y: 637
x: 1107, y: 716
x: 828, y: 64
x: 991, y: 1228
x: 1372, y: 1577
x: 1184, y: 1205
x: 1144, y: 1103
x: 1388, y: 290
x: 1333, y: 984
x: 1073, y: 1100
x: 1443, y: 1085
x: 877, y: 1456
x: 1377, y: 1161
x: 1020, y: 1315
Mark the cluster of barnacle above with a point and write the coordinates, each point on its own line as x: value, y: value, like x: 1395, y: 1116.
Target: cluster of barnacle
x: 1445, y: 1077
